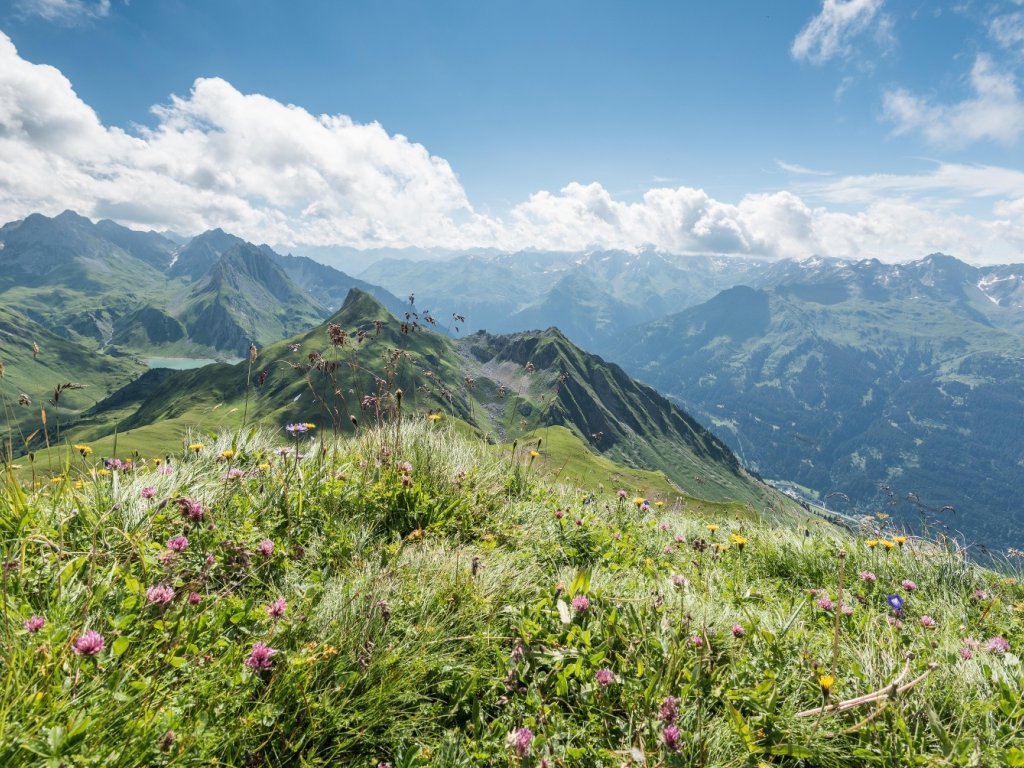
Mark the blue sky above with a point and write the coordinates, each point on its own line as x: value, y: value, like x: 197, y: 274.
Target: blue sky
x: 853, y: 128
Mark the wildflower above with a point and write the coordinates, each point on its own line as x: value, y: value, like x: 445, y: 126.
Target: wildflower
x: 259, y: 657
x: 165, y: 469
x: 34, y: 624
x: 711, y: 527
x: 927, y: 622
x: 196, y: 447
x: 434, y: 417
x: 160, y: 594
x: 639, y: 500
x: 901, y: 540
x: 617, y: 536
x: 277, y: 608
x: 887, y: 544
x: 896, y: 602
x: 908, y: 585
x: 604, y: 677
x: 679, y: 580
x: 696, y: 641
x: 234, y: 474
x: 966, y: 653
x: 534, y: 454
x: 580, y: 604
x: 266, y: 547
x: 980, y: 594
x: 738, y: 540
x: 672, y: 738
x: 559, y: 514
x: 407, y: 481
x: 148, y: 492
x: 669, y: 709
x: 847, y: 609
x: 646, y: 506
x: 659, y: 503
x: 738, y: 630
x: 194, y: 598
x: 405, y: 467
x: 296, y: 429
x: 519, y: 741
x: 85, y: 450
x: 825, y: 604
x: 663, y: 526
x: 190, y: 508
x: 826, y: 682
x: 177, y: 543
x: 167, y: 741
x: 579, y: 522
x: 210, y: 560
x: 680, y: 539
x: 228, y: 454
x: 871, y: 543
x: 998, y: 645
x: 621, y: 493
x: 89, y: 644
x: 868, y: 576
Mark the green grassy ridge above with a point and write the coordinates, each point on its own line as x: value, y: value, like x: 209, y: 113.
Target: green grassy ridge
x: 429, y: 616
x: 58, y: 362
x: 501, y: 386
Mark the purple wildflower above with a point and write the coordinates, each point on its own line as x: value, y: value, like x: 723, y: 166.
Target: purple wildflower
x: 908, y: 585
x: 580, y: 604
x: 259, y: 657
x: 679, y: 580
x: 296, y: 429
x: 190, y: 508
x: 148, y: 492
x: 825, y: 604
x: 868, y: 576
x: 160, y: 594
x: 559, y: 514
x: 89, y: 644
x: 927, y: 622
x: 266, y: 547
x: 966, y: 653
x: 896, y: 603
x: 672, y: 738
x: 621, y: 493
x: 669, y: 710
x: 34, y: 624
x: 165, y: 469
x: 194, y: 598
x: 604, y: 677
x: 277, y: 608
x: 519, y: 741
x: 738, y: 630
x: 405, y: 468
x: 998, y: 645
x: 177, y: 543
x: 847, y: 609
x: 234, y: 474
x: 697, y: 641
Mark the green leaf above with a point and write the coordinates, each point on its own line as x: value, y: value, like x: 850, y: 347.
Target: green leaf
x: 120, y: 646
x: 176, y: 661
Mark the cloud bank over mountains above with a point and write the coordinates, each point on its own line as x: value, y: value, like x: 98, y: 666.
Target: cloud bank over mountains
x: 274, y: 172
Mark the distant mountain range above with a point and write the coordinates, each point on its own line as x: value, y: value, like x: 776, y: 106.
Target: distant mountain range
x: 896, y: 388
x: 111, y: 288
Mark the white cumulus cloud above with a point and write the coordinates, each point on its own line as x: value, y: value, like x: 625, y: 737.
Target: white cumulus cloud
x: 67, y: 12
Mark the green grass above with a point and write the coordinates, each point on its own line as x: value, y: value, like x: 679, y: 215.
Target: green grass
x: 432, y: 610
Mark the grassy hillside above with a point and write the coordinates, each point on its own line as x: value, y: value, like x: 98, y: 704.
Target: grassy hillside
x: 414, y: 597
x: 365, y: 365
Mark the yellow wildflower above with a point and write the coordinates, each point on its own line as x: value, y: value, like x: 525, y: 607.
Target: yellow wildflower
x: 872, y: 543
x: 310, y: 425
x: 901, y: 540
x: 659, y: 503
x: 102, y: 472
x: 639, y: 500
x: 85, y: 450
x: 739, y: 540
x: 197, y: 447
x: 534, y: 454
x: 228, y: 454
x: 711, y: 527
x: 887, y: 544
x: 826, y: 682
x: 433, y: 417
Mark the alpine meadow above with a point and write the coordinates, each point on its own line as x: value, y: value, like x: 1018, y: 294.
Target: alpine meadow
x: 401, y: 384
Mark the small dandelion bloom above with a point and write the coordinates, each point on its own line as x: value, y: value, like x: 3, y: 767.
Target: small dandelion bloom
x: 825, y: 604
x: 580, y: 604
x: 738, y: 630
x: 277, y: 608
x: 908, y: 585
x: 659, y: 503
x: 738, y: 540
x: 825, y: 682
x: 266, y: 547
x: 85, y: 450
x: 228, y: 454
x: 89, y: 644
x: 669, y: 709
x: 259, y: 657
x: 196, y: 447
x: 887, y: 544
x: 871, y: 543
x: 195, y: 598
x: 604, y: 677
x: 34, y: 624
x: 868, y: 576
x: 519, y: 741
x: 901, y: 540
x: 896, y: 603
x: 711, y: 527
x: 672, y: 738
x: 534, y: 454
x: 997, y: 645
x: 696, y: 641
x: 177, y: 543
x: 160, y: 594
x: 927, y: 622
x: 434, y: 417
x: 148, y: 492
